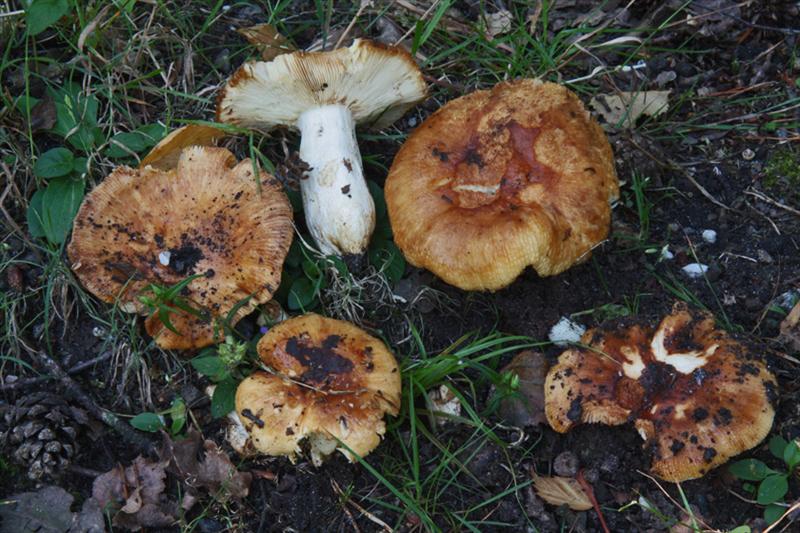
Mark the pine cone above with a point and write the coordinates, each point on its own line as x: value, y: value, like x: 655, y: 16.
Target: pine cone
x: 41, y: 433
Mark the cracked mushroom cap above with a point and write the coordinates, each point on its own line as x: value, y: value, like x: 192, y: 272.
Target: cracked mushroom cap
x: 333, y: 382
x: 205, y: 217
x: 378, y: 83
x: 696, y: 396
x: 498, y: 180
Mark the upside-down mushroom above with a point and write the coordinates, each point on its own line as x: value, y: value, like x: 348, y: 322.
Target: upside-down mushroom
x: 330, y: 385
x: 324, y: 95
x: 206, y: 217
x: 498, y: 180
x: 696, y: 396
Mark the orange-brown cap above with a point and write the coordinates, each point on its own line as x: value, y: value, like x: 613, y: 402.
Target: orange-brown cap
x: 332, y: 385
x: 207, y: 216
x: 498, y: 180
x: 696, y: 396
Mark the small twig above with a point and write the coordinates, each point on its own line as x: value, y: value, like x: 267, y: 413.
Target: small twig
x: 83, y: 471
x: 670, y: 498
x: 349, y: 27
x: 74, y: 391
x: 764, y: 198
x: 338, y: 490
x: 587, y: 488
x: 22, y: 383
x: 369, y: 516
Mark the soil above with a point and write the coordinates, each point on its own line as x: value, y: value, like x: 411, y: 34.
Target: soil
x: 754, y: 260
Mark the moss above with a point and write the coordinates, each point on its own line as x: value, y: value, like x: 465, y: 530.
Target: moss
x: 782, y: 171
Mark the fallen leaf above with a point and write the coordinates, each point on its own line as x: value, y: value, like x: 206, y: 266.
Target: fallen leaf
x: 443, y: 405
x: 138, y: 493
x: 526, y: 407
x: 624, y: 108
x: 266, y: 38
x: 43, y: 114
x: 499, y: 22
x: 790, y: 329
x: 215, y: 472
x: 558, y: 491
x: 166, y: 153
x: 48, y: 511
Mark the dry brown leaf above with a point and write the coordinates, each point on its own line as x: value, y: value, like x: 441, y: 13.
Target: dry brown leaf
x: 43, y: 114
x: 526, y: 408
x: 165, y: 154
x: 266, y: 38
x: 624, y: 108
x: 558, y: 490
x: 790, y: 329
x: 499, y: 22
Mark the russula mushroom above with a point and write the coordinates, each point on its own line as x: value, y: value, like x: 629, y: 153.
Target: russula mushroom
x: 696, y: 396
x: 331, y: 386
x: 501, y: 179
x: 324, y: 95
x: 205, y: 217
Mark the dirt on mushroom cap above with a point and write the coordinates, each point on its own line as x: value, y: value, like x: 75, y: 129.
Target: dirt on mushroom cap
x: 206, y: 217
x: 332, y: 380
x: 498, y: 180
x: 695, y: 395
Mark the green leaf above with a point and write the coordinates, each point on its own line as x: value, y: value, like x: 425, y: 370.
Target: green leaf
x: 76, y: 117
x: 777, y: 445
x: 147, y: 422
x: 773, y: 512
x: 380, y: 202
x: 34, y: 215
x: 791, y: 454
x: 54, y: 163
x: 41, y: 14
x: 224, y: 399
x: 177, y: 412
x: 311, y: 270
x: 740, y: 529
x: 301, y: 294
x: 126, y: 144
x: 772, y: 489
x: 211, y: 366
x: 50, y: 213
x: 750, y: 470
x: 80, y: 166
x: 388, y: 258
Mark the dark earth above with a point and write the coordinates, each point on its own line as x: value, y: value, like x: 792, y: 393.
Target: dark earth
x: 698, y: 178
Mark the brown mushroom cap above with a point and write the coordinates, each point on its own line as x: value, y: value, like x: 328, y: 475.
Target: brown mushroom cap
x: 498, y: 180
x: 206, y: 217
x: 333, y: 382
x: 695, y: 395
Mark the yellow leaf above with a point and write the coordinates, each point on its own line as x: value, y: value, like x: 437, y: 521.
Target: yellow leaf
x: 267, y: 40
x: 562, y: 490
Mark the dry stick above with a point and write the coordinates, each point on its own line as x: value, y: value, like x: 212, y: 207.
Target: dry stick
x: 22, y: 383
x: 672, y: 500
x: 360, y: 509
x: 764, y: 198
x: 347, y: 512
x: 587, y: 488
x: 789, y: 511
x: 110, y: 419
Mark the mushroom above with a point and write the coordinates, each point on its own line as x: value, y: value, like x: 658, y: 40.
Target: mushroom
x: 696, y: 396
x: 330, y: 385
x: 205, y: 217
x: 324, y: 95
x: 501, y: 179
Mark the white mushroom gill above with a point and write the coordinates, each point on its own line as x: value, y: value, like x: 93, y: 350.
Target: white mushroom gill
x: 339, y: 210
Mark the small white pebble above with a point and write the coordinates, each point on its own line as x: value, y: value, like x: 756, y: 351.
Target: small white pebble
x: 695, y: 270
x: 565, y: 331
x: 163, y: 258
x: 710, y: 236
x: 748, y: 154
x: 412, y: 121
x: 99, y: 332
x: 666, y: 254
x: 788, y: 299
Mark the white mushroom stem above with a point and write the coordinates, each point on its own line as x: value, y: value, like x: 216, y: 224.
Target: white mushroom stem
x: 339, y: 210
